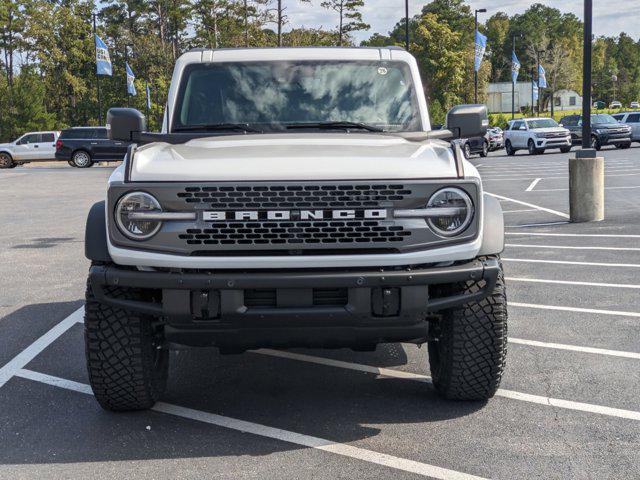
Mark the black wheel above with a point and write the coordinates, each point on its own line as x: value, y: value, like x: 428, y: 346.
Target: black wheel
x: 467, y: 151
x: 469, y: 350
x: 595, y: 143
x: 623, y: 145
x: 485, y: 149
x: 81, y: 159
x: 565, y: 149
x: 71, y: 164
x: 126, y: 358
x: 6, y: 161
x: 532, y: 148
x: 509, y: 148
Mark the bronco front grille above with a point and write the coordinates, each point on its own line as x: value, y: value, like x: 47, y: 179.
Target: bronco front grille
x: 295, y: 196
x: 295, y: 233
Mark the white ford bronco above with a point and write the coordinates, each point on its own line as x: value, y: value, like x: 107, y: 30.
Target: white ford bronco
x: 294, y: 198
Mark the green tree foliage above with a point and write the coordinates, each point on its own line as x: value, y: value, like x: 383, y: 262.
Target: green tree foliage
x: 349, y: 17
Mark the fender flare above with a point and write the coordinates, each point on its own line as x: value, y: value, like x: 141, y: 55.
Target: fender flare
x: 493, y: 227
x: 95, y: 236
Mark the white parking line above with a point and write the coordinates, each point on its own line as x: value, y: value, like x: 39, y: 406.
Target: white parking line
x: 567, y: 282
x: 520, y: 211
x: 617, y: 313
x: 497, y: 178
x: 573, y: 247
x: 533, y: 185
x: 537, y: 207
x: 544, y: 234
x: 566, y: 189
x: 525, y: 397
x: 567, y: 262
x: 370, y: 456
x: 32, y: 351
x: 575, y: 348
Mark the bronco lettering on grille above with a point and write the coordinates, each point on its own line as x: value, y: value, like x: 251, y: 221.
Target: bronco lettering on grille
x: 378, y: 214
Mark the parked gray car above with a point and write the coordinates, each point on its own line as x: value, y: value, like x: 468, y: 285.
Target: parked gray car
x: 633, y: 120
x: 30, y: 147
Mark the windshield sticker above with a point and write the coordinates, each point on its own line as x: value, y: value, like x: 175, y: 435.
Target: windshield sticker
x: 382, y: 71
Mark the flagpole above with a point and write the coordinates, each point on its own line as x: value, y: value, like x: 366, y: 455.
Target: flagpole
x: 475, y: 72
x: 513, y: 84
x: 126, y: 62
x: 533, y: 82
x: 97, y: 76
x: 147, y: 99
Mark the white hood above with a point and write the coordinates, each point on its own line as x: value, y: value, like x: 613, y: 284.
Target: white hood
x: 296, y: 156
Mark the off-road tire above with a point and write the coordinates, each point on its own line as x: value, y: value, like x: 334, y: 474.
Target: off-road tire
x: 468, y: 354
x: 595, y: 143
x: 6, y: 161
x: 81, y: 159
x: 531, y: 146
x: 509, y: 149
x: 565, y: 149
x: 126, y: 359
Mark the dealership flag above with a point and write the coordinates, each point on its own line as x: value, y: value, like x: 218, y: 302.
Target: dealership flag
x: 131, y: 88
x: 148, y: 97
x: 515, y: 68
x: 481, y: 46
x: 535, y: 91
x: 103, y: 61
x: 542, y: 77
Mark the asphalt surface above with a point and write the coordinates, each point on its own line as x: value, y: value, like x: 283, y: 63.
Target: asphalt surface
x: 569, y: 406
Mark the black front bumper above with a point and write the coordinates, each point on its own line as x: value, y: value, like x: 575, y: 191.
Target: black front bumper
x: 294, y: 308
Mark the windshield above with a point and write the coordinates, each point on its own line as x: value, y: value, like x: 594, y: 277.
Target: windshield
x: 542, y: 123
x: 273, y: 96
x: 603, y: 118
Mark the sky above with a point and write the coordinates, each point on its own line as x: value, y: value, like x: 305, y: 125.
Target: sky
x: 611, y: 17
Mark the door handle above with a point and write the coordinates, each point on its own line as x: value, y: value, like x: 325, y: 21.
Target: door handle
x: 94, y: 143
x: 36, y: 146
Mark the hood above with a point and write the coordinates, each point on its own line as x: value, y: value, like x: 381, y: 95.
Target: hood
x: 550, y: 130
x: 609, y: 126
x: 297, y: 156
x: 7, y: 145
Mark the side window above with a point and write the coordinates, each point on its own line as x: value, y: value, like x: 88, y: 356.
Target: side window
x: 82, y: 133
x: 31, y: 138
x: 517, y: 125
x: 618, y: 117
x: 572, y: 101
x: 569, y: 121
x: 100, y: 133
x: 47, y: 138
x: 633, y: 118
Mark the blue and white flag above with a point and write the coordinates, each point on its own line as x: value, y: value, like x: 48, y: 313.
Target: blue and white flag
x: 103, y: 60
x: 542, y: 77
x: 481, y: 47
x: 515, y: 68
x: 148, y: 97
x: 535, y: 90
x: 131, y: 88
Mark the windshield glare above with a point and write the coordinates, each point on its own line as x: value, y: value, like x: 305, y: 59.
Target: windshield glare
x: 603, y: 118
x: 542, y: 123
x: 272, y: 95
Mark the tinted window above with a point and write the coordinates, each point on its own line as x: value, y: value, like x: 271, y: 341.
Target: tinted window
x: 634, y: 118
x: 602, y: 118
x: 619, y: 117
x: 517, y: 125
x: 542, y: 123
x: 48, y: 137
x: 100, y: 133
x: 572, y: 101
x: 569, y: 121
x: 276, y: 94
x: 31, y: 138
x: 77, y: 133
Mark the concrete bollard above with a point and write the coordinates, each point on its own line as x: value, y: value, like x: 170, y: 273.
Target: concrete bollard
x: 586, y: 187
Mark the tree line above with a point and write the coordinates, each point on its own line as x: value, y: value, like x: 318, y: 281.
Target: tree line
x: 48, y: 57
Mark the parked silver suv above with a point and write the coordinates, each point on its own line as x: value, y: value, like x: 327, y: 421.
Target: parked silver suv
x: 633, y: 120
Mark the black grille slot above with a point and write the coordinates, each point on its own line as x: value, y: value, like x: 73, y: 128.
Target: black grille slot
x: 330, y: 297
x: 295, y: 196
x: 289, y: 234
x: 260, y: 298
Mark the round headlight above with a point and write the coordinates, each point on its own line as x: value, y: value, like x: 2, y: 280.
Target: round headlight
x: 128, y: 206
x: 457, y: 211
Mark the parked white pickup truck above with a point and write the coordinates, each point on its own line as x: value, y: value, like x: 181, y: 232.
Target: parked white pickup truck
x: 536, y: 135
x: 294, y: 198
x: 30, y: 147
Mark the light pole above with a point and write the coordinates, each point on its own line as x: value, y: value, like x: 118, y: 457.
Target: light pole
x: 586, y: 74
x: 538, y: 52
x: 513, y: 84
x: 475, y: 72
x: 406, y: 24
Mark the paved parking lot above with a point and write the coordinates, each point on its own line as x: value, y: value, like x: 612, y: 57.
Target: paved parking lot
x: 569, y: 406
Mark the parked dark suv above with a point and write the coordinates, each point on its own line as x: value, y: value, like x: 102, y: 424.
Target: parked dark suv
x: 82, y: 146
x: 605, y: 130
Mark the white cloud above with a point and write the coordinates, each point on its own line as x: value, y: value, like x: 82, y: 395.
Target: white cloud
x: 610, y: 18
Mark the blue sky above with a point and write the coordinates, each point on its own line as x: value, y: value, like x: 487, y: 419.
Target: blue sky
x: 610, y: 16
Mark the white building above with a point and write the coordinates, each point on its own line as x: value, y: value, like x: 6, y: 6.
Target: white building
x: 567, y: 100
x: 499, y: 98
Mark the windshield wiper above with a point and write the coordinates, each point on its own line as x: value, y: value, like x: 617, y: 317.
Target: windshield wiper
x: 213, y: 127
x: 335, y: 125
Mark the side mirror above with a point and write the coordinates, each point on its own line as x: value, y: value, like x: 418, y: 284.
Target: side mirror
x: 560, y: 125
x: 467, y: 121
x: 125, y: 124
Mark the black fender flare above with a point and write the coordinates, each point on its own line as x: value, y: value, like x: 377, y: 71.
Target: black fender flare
x: 95, y: 235
x: 493, y: 227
